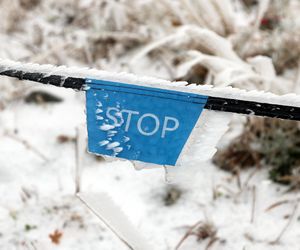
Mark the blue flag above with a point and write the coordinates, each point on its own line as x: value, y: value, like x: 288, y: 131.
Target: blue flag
x: 140, y: 123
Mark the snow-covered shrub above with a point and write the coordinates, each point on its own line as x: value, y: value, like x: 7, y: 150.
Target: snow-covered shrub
x: 266, y: 142
x: 270, y: 142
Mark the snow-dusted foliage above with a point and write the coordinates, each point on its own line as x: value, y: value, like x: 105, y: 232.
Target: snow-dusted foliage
x: 176, y: 36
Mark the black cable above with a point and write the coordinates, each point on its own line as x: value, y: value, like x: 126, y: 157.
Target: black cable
x: 56, y: 80
x: 213, y: 103
x: 253, y: 108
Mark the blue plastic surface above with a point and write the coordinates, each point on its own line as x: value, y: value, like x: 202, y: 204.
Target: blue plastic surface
x: 140, y: 123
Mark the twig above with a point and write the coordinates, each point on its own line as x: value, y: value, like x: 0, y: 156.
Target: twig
x: 251, y: 175
x: 277, y: 204
x: 79, y: 145
x: 27, y: 145
x: 211, y: 242
x: 276, y: 241
x: 253, y: 204
x: 238, y: 178
x: 187, y: 234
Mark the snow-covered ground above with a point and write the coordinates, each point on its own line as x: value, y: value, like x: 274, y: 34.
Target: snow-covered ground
x: 37, y: 194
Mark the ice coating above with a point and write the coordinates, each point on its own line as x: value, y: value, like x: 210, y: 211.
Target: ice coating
x: 201, y: 145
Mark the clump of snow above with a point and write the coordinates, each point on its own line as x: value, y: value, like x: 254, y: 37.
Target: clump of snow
x: 98, y: 111
x: 126, y: 139
x: 201, y: 145
x: 113, y: 145
x: 99, y: 117
x: 117, y: 150
x: 106, y: 127
x: 103, y: 143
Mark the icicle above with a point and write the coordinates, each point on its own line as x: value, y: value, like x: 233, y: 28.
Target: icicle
x: 80, y: 151
x: 169, y: 177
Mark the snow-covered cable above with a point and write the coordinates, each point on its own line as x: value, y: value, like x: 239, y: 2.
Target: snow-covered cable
x: 225, y: 99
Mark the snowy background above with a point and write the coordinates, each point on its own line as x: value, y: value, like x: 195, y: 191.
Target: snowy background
x: 248, y: 44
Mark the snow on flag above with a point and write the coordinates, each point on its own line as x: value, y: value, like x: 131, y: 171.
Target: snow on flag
x: 140, y: 123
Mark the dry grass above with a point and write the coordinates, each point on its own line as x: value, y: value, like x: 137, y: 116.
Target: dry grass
x: 202, y: 231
